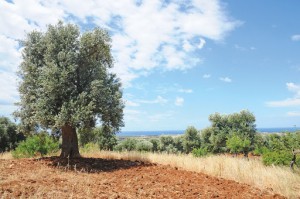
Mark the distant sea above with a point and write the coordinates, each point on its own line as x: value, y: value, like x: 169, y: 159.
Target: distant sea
x: 178, y: 132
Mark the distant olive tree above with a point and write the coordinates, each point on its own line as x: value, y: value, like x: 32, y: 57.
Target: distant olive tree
x: 107, y: 139
x: 224, y: 126
x: 9, y: 137
x: 191, y: 139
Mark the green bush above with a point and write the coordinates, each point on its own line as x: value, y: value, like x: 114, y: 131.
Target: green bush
x: 9, y: 137
x: 164, y: 142
x: 237, y: 145
x: 129, y: 144
x: 144, y: 145
x: 191, y: 139
x: 155, y: 144
x: 106, y: 138
x: 278, y: 158
x: 41, y: 144
x: 200, y: 152
x: 259, y: 150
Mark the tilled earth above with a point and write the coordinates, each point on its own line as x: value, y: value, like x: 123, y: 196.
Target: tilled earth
x: 100, y: 178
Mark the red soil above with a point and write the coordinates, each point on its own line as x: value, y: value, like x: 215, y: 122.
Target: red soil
x: 100, y: 178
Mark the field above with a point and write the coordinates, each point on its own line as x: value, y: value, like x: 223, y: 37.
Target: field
x: 100, y: 178
x: 130, y: 175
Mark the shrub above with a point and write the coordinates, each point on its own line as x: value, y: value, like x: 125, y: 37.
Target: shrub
x: 40, y: 144
x: 155, y: 144
x: 144, y: 145
x: 278, y: 158
x: 171, y: 149
x: 129, y: 144
x: 164, y: 142
x: 9, y: 137
x: 260, y: 150
x: 237, y: 144
x: 200, y: 152
x: 191, y: 139
x: 178, y: 143
x: 106, y: 138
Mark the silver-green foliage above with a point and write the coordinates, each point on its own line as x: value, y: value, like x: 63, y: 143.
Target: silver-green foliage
x: 65, y: 79
x: 224, y: 126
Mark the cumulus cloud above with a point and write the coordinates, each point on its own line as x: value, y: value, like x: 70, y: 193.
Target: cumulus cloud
x: 146, y: 35
x: 294, y: 101
x: 226, y: 79
x: 295, y: 38
x: 179, y: 101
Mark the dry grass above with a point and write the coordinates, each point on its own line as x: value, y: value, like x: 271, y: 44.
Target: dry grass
x: 6, y: 156
x: 253, y: 172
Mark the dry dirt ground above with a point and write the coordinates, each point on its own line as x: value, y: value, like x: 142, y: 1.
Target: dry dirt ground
x: 99, y: 178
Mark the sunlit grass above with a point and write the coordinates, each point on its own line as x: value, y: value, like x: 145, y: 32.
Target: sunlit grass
x: 6, y: 156
x: 279, y: 180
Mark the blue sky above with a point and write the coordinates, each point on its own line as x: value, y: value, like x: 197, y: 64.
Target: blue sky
x: 179, y: 61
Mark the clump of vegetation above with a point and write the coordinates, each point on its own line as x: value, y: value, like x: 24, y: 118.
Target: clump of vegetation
x: 129, y: 144
x: 40, y: 144
x: 191, y: 139
x: 9, y: 137
x: 144, y: 145
x: 200, y: 152
x: 238, y: 145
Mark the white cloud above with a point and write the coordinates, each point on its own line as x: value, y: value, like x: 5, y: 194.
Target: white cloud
x: 179, y: 101
x: 131, y: 103
x: 185, y: 90
x: 8, y: 89
x: 293, y: 88
x: 226, y: 79
x: 293, y: 114
x: 206, y: 76
x: 187, y: 46
x: 284, y: 103
x: 158, y: 100
x: 153, y: 34
x: 145, y: 35
x: 202, y: 43
x: 295, y: 101
x: 295, y: 37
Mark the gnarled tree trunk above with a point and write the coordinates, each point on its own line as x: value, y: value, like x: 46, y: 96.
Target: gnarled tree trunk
x: 69, y: 142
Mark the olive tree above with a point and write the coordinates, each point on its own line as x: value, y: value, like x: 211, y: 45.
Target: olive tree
x: 9, y: 137
x: 66, y: 83
x: 223, y: 127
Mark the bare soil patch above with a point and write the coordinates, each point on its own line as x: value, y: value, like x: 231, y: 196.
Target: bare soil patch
x: 100, y: 178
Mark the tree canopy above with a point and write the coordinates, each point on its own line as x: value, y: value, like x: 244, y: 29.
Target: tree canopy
x: 223, y: 127
x: 66, y: 81
x: 8, y: 135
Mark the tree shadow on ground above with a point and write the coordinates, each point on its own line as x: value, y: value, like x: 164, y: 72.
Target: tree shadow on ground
x: 90, y: 165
